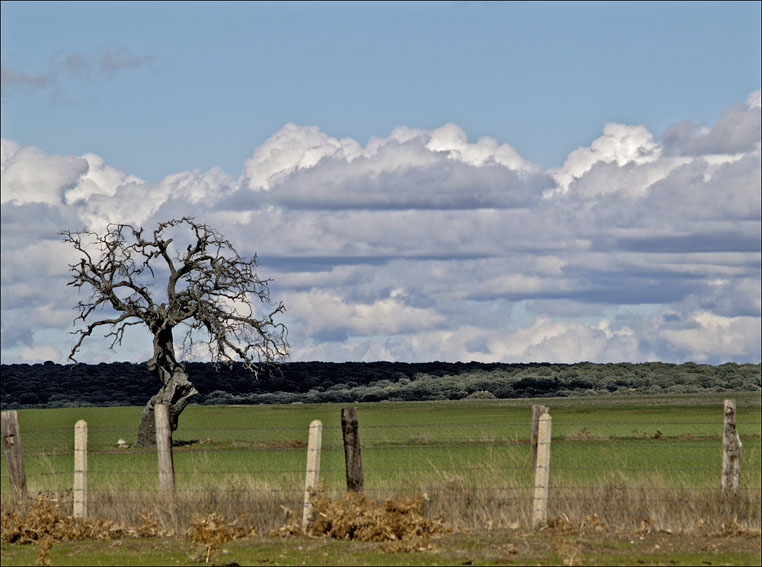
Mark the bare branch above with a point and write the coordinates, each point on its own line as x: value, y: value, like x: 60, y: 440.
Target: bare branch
x: 117, y: 331
x: 210, y: 288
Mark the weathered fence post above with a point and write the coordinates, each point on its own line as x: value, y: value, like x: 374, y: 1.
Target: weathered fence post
x: 731, y: 449
x: 541, y: 473
x: 80, y: 469
x: 352, y: 455
x: 537, y: 411
x: 164, y: 451
x: 313, y: 470
x: 13, y: 455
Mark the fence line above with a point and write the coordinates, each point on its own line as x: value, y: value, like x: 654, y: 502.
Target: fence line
x: 488, y: 470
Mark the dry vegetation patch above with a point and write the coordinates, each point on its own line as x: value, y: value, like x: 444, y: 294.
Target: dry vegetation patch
x: 44, y: 520
x: 43, y: 523
x: 357, y: 517
x: 210, y: 532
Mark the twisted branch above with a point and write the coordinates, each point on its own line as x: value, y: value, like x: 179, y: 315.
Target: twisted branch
x: 210, y: 289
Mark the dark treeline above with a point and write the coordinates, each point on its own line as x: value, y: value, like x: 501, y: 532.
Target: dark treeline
x: 52, y: 385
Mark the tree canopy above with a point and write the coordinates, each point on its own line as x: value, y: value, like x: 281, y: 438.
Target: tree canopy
x: 209, y: 290
x: 209, y: 287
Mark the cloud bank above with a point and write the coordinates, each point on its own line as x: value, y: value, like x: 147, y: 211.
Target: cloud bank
x: 425, y: 245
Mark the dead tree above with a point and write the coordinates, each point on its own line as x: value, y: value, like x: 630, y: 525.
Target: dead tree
x: 212, y: 293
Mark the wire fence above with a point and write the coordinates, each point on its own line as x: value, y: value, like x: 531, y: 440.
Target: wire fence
x: 472, y: 469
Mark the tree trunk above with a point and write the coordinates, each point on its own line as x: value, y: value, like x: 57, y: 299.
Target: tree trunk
x: 176, y: 391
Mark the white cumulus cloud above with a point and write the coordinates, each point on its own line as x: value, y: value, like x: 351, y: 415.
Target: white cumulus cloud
x: 425, y: 245
x: 31, y: 176
x: 621, y: 144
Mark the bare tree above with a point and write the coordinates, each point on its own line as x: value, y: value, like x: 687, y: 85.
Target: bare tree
x: 211, y: 291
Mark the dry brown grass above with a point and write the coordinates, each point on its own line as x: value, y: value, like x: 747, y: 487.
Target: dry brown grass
x: 399, y: 523
x: 43, y: 522
x: 357, y: 517
x: 615, y: 504
x: 210, y: 532
x: 621, y: 506
x: 260, y: 502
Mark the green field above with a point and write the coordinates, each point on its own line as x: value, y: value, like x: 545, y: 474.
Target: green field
x: 471, y: 460
x: 632, y: 479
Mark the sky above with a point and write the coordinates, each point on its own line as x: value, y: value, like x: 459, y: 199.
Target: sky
x: 488, y: 181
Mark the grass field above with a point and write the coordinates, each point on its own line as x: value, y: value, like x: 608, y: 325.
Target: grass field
x: 618, y: 464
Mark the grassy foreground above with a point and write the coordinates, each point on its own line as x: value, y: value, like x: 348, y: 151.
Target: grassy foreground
x: 647, y: 467
x: 513, y: 547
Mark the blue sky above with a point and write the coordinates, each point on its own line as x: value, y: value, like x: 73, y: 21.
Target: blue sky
x: 590, y: 171
x: 218, y: 79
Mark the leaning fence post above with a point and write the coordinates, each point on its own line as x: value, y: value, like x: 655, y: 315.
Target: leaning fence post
x: 731, y: 449
x: 313, y: 470
x: 352, y: 455
x: 537, y: 411
x: 541, y: 473
x: 80, y: 469
x: 13, y: 455
x: 164, y: 451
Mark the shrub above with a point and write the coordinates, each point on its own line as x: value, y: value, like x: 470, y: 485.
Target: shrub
x: 357, y: 517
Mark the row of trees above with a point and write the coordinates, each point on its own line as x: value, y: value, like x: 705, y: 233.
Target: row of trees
x: 53, y: 385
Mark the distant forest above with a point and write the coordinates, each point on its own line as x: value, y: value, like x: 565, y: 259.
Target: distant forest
x: 52, y: 385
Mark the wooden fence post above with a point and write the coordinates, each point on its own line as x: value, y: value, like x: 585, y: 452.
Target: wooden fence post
x: 537, y: 411
x: 313, y: 470
x: 13, y: 455
x: 80, y: 469
x: 731, y: 449
x: 541, y: 473
x: 352, y: 454
x: 164, y: 451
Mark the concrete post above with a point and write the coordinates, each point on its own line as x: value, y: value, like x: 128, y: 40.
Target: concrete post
x: 312, y: 479
x: 80, y: 469
x: 542, y: 473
